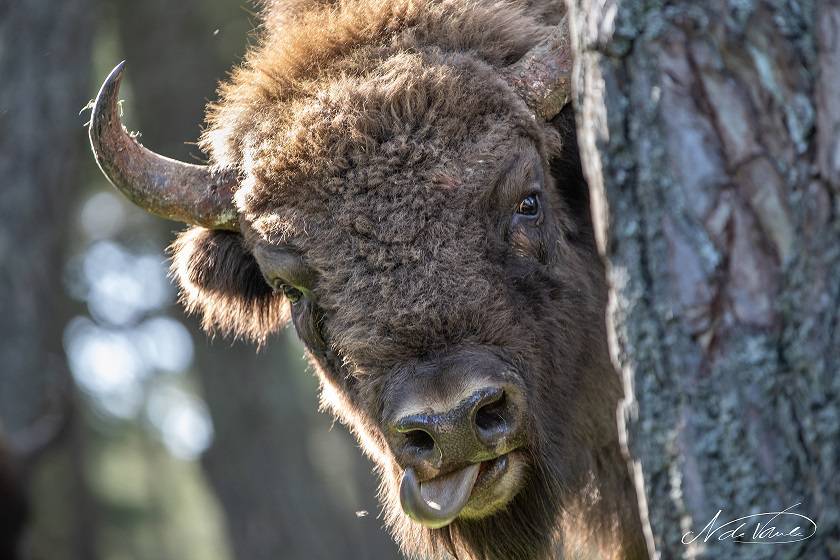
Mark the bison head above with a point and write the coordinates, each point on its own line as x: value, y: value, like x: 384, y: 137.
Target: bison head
x: 399, y: 180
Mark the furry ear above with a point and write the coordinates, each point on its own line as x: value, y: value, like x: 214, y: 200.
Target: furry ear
x: 220, y: 279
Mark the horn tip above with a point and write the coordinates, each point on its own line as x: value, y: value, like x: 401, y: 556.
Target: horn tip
x: 105, y: 126
x: 106, y: 99
x: 116, y: 74
x: 118, y: 69
x: 111, y: 85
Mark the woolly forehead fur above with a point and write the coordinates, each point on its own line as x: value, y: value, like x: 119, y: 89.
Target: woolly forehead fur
x: 309, y: 52
x: 367, y: 133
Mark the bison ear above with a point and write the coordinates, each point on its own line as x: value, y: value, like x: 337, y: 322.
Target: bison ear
x: 221, y: 281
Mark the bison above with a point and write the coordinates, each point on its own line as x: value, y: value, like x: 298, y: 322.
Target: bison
x: 401, y: 180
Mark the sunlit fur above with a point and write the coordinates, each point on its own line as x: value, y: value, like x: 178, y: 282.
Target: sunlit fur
x: 378, y: 140
x: 220, y: 281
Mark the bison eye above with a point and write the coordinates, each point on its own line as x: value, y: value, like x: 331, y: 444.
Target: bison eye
x: 292, y: 294
x: 529, y: 206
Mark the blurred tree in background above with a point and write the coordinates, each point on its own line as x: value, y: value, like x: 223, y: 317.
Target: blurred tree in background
x: 164, y: 444
x: 45, y: 54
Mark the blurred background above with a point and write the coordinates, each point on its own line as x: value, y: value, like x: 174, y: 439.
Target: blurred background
x: 125, y: 432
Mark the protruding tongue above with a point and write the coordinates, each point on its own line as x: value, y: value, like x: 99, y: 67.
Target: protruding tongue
x: 437, y: 502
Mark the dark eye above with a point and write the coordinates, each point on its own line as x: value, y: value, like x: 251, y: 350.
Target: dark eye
x: 289, y: 292
x: 292, y: 294
x: 529, y: 206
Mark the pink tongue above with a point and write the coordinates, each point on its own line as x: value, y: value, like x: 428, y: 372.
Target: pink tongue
x: 450, y: 492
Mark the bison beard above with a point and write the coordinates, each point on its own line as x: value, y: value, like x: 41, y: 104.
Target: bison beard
x: 369, y: 166
x: 519, y: 531
x: 528, y: 529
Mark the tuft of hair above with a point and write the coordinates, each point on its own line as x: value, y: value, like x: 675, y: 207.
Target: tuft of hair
x: 220, y: 280
x: 307, y: 46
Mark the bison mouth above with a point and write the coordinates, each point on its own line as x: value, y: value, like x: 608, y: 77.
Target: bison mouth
x: 472, y: 492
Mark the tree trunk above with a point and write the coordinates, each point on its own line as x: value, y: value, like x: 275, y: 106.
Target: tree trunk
x: 710, y: 135
x: 44, y: 57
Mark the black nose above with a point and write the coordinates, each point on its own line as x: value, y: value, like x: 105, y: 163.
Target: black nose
x: 482, y: 426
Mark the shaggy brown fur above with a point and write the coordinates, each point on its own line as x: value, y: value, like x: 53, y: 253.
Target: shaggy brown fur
x: 379, y: 144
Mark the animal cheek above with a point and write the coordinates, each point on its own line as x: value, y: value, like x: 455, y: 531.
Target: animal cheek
x: 527, y: 242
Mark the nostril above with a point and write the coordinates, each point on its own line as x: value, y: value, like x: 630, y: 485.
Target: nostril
x: 419, y: 440
x: 491, y: 418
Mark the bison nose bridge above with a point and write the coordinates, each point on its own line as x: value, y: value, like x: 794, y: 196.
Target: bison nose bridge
x: 477, y: 428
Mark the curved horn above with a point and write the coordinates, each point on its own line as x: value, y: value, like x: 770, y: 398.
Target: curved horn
x: 194, y: 194
x: 543, y: 76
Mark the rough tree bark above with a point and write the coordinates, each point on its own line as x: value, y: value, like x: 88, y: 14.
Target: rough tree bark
x: 710, y: 133
x: 44, y: 56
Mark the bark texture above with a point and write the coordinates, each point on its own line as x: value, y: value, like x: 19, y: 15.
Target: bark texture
x: 710, y: 134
